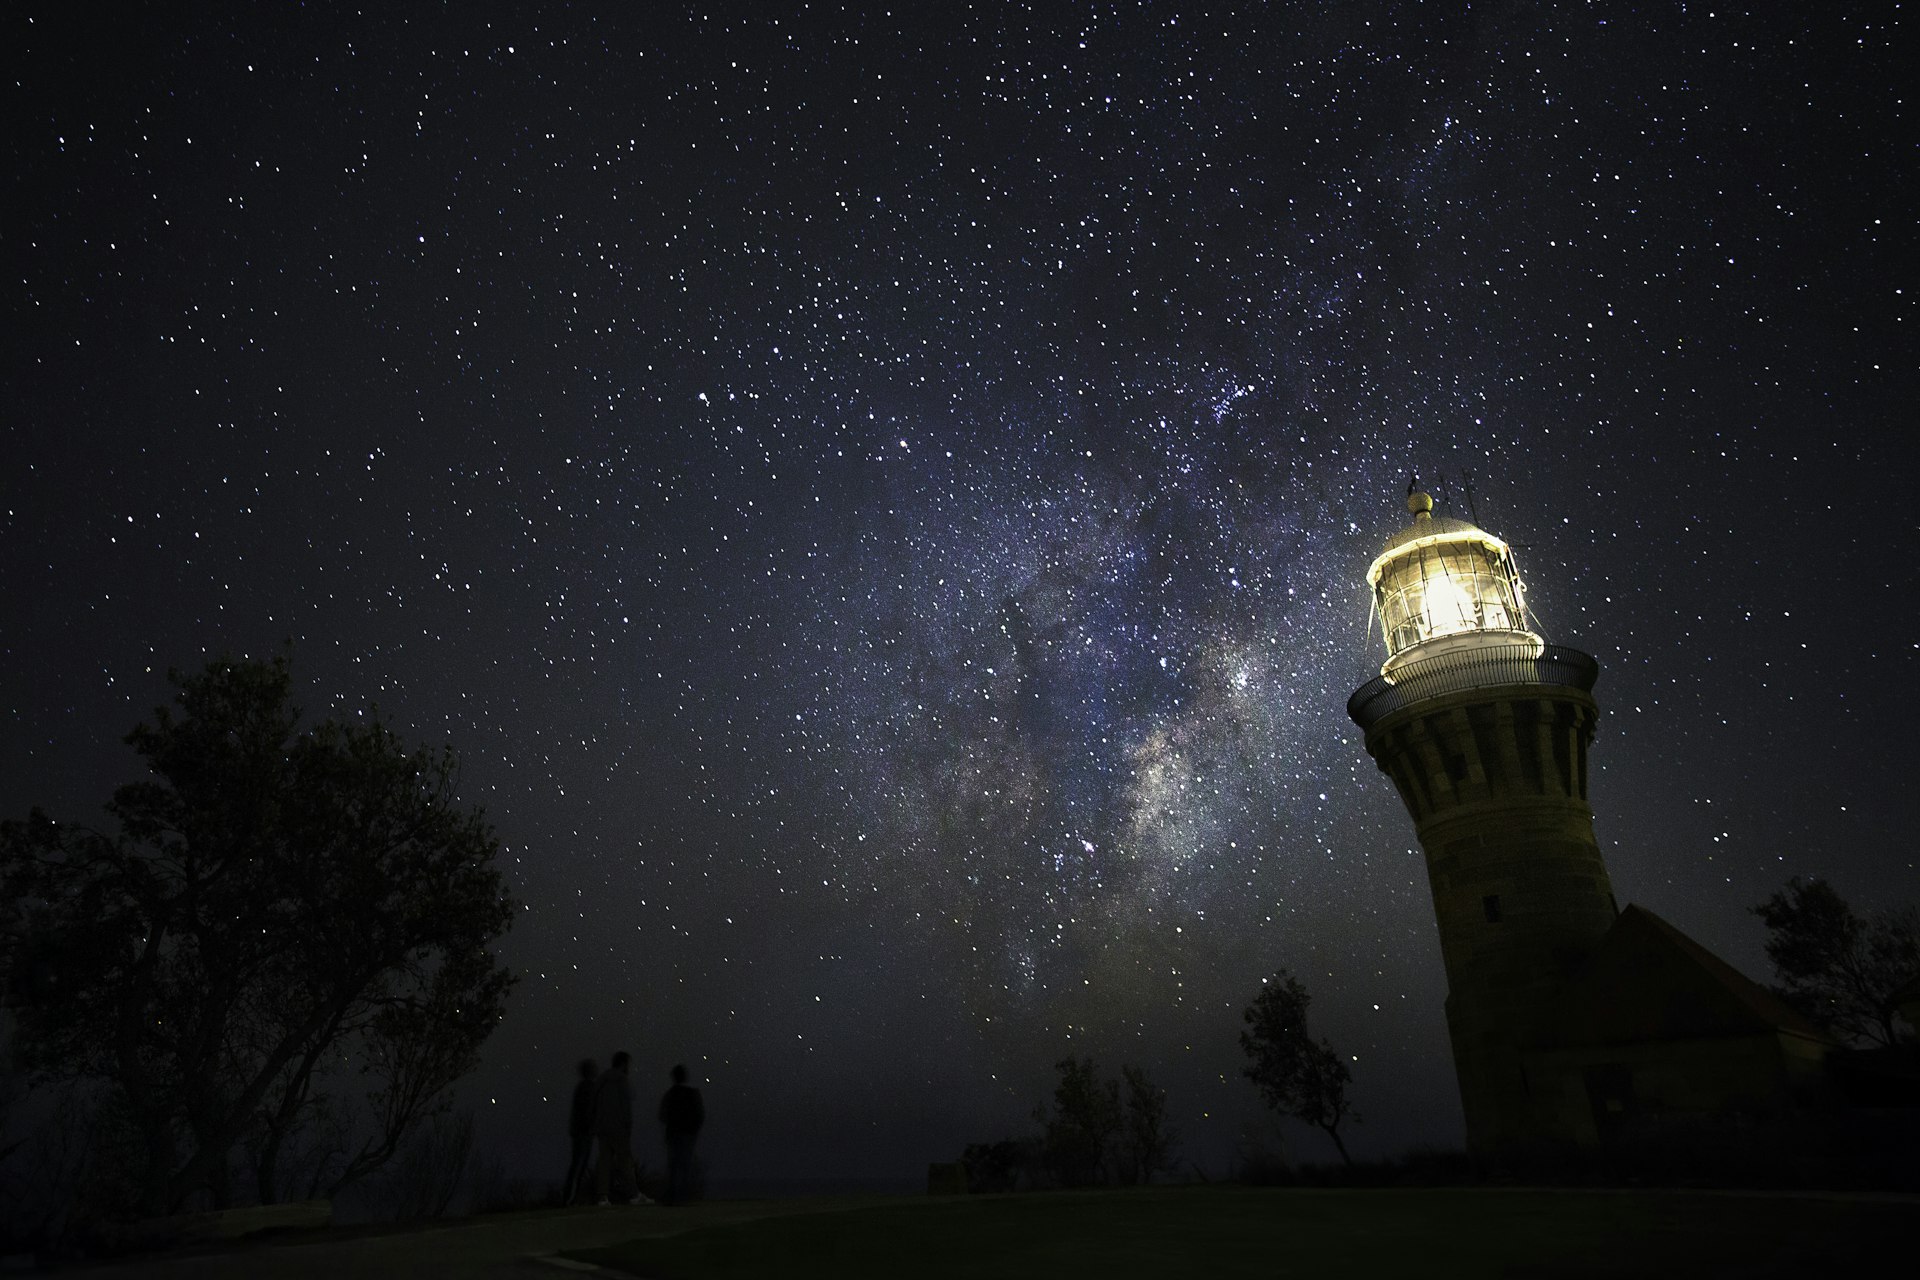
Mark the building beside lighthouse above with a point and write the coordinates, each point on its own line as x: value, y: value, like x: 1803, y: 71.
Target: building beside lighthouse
x: 1571, y: 1020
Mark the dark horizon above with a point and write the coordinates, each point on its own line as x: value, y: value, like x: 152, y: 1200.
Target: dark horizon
x: 879, y: 503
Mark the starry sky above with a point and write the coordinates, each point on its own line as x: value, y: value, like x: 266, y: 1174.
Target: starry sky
x: 878, y: 498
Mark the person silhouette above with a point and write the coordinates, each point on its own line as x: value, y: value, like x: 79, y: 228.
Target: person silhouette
x: 613, y: 1130
x: 580, y: 1131
x: 681, y: 1115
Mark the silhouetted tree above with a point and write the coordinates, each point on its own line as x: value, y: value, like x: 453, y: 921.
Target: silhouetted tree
x: 1077, y: 1136
x: 424, y: 1177
x: 272, y: 913
x: 1295, y: 1073
x: 1147, y: 1142
x: 1838, y: 967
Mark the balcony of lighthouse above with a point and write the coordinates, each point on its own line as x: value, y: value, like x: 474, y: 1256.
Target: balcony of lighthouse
x: 1465, y: 670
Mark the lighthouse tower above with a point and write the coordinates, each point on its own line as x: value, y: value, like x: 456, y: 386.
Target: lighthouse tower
x: 1484, y: 729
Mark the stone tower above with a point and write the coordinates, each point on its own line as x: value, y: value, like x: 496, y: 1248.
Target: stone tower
x: 1484, y: 730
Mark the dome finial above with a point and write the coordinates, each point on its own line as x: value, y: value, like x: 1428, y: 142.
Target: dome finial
x: 1420, y: 504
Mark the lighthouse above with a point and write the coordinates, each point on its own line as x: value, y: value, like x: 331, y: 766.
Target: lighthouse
x: 1484, y: 728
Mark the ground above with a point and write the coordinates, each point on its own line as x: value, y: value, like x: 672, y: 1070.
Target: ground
x: 1216, y: 1231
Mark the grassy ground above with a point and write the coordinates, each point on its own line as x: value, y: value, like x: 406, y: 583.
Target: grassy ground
x: 1224, y: 1231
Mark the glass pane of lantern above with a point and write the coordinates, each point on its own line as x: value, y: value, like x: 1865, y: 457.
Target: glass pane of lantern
x: 1446, y: 589
x: 1450, y: 600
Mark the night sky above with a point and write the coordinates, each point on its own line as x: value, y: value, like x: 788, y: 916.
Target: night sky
x: 878, y: 499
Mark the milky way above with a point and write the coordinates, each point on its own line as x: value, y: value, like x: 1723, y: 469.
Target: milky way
x: 879, y: 501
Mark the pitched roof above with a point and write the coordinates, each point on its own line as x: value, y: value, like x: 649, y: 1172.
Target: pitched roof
x: 1646, y: 980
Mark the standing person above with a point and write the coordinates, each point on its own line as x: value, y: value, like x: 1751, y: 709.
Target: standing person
x: 580, y: 1131
x: 681, y: 1115
x: 613, y: 1129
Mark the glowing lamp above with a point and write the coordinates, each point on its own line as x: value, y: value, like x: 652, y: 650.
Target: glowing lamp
x: 1443, y: 586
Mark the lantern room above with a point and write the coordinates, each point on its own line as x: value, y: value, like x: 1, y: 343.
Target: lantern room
x: 1443, y: 586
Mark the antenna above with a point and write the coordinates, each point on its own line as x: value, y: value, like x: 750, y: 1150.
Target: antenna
x: 1466, y: 482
